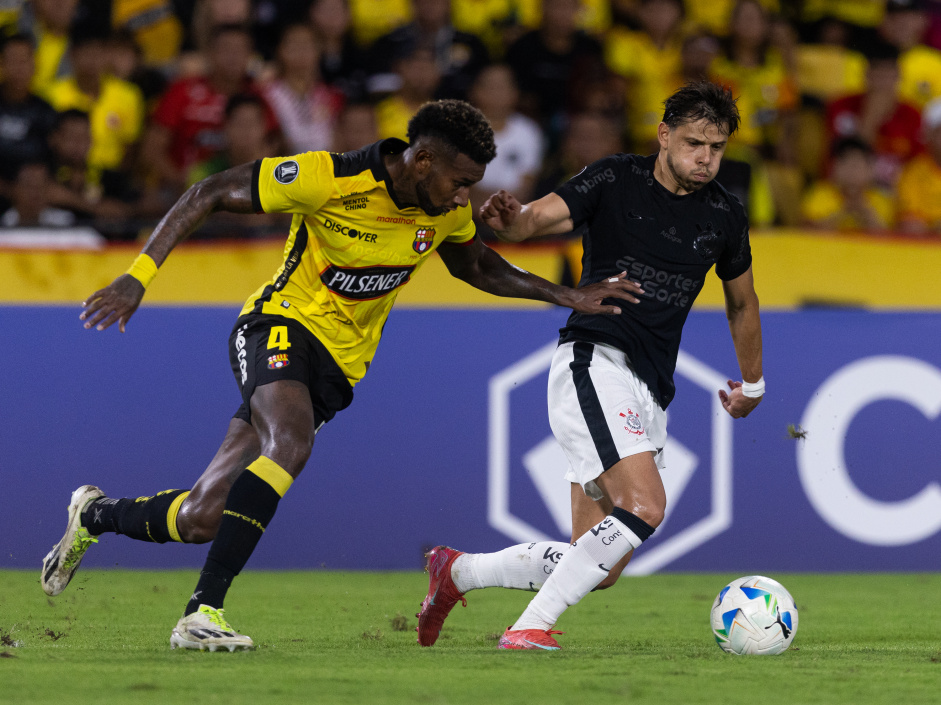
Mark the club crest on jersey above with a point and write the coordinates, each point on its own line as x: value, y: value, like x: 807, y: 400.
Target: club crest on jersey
x: 424, y: 238
x: 276, y: 362
x: 286, y: 172
x: 632, y: 422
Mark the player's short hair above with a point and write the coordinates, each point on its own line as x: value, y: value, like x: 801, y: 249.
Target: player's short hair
x: 699, y: 100
x: 459, y: 125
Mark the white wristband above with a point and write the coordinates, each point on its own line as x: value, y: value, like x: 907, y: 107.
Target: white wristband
x: 754, y: 389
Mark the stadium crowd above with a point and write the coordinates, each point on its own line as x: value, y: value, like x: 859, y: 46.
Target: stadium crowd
x: 110, y: 109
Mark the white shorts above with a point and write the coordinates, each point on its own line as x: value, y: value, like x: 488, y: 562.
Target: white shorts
x: 601, y: 411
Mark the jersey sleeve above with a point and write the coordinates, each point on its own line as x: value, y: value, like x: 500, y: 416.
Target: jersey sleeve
x: 736, y: 257
x: 298, y: 184
x: 584, y: 192
x: 465, y: 230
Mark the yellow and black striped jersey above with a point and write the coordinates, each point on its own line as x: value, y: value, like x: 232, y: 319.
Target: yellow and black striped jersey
x: 350, y: 249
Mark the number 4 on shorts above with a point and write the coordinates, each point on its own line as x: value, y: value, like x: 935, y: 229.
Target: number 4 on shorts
x: 278, y: 338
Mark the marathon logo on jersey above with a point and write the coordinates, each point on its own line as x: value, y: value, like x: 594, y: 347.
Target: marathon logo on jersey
x: 364, y: 283
x: 286, y: 172
x: 424, y: 239
x: 587, y: 184
x: 348, y: 231
x: 395, y: 220
x: 276, y: 362
x: 632, y: 423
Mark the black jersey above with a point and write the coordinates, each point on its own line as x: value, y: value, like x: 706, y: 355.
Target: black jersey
x: 666, y: 242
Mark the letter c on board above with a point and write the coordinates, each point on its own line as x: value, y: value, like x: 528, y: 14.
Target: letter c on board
x: 822, y: 464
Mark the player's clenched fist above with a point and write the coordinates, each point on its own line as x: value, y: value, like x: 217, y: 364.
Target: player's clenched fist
x: 117, y: 302
x: 500, y: 211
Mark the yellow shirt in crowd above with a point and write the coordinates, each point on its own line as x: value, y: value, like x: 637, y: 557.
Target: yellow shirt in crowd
x: 823, y: 204
x: 919, y: 191
x: 116, y: 116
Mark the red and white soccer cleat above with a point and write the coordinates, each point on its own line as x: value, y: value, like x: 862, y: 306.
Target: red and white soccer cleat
x: 529, y: 639
x: 442, y: 594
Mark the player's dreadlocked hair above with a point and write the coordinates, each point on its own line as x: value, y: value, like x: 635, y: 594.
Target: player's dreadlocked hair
x: 460, y: 125
x: 702, y: 99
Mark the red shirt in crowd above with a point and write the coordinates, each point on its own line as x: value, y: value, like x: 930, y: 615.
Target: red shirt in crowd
x: 194, y: 113
x: 897, y: 141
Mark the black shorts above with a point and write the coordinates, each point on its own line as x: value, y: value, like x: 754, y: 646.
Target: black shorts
x: 265, y: 348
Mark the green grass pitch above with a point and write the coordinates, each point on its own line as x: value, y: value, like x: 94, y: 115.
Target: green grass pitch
x: 326, y: 637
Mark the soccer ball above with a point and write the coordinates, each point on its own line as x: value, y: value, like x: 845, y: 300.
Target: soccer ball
x: 754, y: 615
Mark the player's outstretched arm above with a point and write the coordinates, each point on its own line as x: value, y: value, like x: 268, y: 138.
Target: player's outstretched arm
x: 230, y: 190
x: 484, y: 269
x: 513, y: 222
x: 741, y: 307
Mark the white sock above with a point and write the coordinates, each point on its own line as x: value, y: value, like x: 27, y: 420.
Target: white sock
x: 523, y: 567
x: 585, y: 564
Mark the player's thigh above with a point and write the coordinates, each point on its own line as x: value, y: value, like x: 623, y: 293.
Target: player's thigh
x: 604, y: 418
x: 290, y: 385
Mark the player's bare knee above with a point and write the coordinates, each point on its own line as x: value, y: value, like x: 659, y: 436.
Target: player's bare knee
x: 198, y: 520
x: 290, y: 451
x: 609, y: 581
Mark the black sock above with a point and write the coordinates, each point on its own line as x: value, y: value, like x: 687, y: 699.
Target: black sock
x: 249, y: 508
x: 145, y: 518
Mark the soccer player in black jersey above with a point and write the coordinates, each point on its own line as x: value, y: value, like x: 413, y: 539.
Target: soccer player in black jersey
x: 364, y: 222
x: 664, y: 221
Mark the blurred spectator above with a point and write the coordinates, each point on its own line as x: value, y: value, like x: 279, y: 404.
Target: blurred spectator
x: 850, y: 198
x: 714, y: 16
x: 187, y: 126
x: 246, y: 137
x: 86, y: 191
x: 125, y: 61
x: 420, y: 78
x: 862, y: 15
x: 306, y: 108
x: 919, y: 186
x: 154, y: 26
x: 548, y: 63
x: 877, y: 117
x: 342, y: 63
x: 587, y: 138
x: 904, y: 27
x: 827, y: 68
x: 356, y: 128
x: 30, y: 201
x: 649, y: 60
x: 593, y: 17
x: 459, y: 55
x: 210, y: 14
x: 519, y: 140
x: 25, y: 119
x: 758, y: 76
x: 48, y: 22
x: 116, y: 107
x: 494, y: 21
x: 373, y: 18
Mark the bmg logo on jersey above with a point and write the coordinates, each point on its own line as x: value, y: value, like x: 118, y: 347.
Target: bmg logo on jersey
x: 589, y: 183
x: 424, y: 239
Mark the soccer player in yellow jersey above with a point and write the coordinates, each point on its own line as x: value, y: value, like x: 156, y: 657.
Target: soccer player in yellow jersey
x: 364, y: 222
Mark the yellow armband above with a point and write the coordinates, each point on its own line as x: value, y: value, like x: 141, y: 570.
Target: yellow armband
x: 144, y: 269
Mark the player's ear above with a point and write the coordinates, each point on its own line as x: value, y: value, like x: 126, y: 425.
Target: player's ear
x: 424, y: 160
x: 663, y: 135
